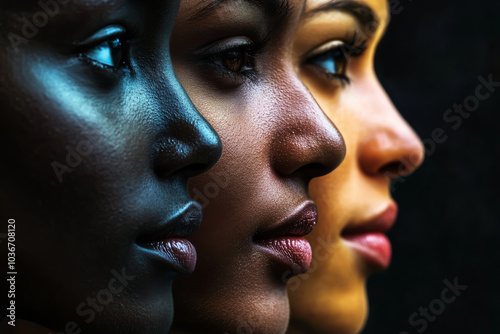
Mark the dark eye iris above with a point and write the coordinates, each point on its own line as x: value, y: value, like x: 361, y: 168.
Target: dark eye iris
x: 234, y: 60
x: 108, y: 53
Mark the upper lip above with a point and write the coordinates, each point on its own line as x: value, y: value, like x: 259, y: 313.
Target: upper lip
x: 298, y: 224
x: 184, y: 223
x: 380, y: 223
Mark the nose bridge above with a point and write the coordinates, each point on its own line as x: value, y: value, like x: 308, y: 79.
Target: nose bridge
x: 306, y: 143
x: 389, y: 145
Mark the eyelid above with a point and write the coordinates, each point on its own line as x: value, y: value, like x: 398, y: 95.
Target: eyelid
x: 324, y: 48
x: 224, y: 45
x: 109, y: 32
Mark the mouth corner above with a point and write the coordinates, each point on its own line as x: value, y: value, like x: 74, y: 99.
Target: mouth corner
x: 167, y: 241
x: 183, y: 223
x: 285, y: 241
x: 299, y: 223
x: 368, y: 238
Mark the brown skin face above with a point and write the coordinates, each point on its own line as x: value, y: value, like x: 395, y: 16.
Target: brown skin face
x: 98, y: 142
x: 234, y: 61
x: 331, y: 298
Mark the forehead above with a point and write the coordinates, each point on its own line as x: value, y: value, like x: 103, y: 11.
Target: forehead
x: 54, y: 7
x: 379, y: 7
x: 273, y: 8
x: 31, y: 5
x: 65, y: 20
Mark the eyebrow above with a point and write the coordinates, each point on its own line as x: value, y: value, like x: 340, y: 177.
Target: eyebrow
x: 272, y: 8
x: 361, y: 12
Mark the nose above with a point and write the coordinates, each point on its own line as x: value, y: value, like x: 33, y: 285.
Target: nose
x: 306, y: 144
x: 390, y: 147
x: 187, y: 144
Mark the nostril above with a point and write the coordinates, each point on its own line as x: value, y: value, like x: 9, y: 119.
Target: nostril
x: 390, y: 152
x: 311, y: 171
x: 398, y: 168
x: 195, y: 169
x: 169, y: 155
x: 394, y: 168
x: 178, y: 157
x: 307, y: 155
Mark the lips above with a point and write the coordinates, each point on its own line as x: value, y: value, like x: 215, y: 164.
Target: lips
x: 369, y: 241
x: 286, y: 242
x: 167, y: 242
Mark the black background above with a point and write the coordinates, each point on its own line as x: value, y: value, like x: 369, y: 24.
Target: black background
x: 448, y: 226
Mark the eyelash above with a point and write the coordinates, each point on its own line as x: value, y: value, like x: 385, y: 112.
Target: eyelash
x: 348, y: 50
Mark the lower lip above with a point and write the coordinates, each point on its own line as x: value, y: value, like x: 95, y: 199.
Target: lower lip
x: 373, y: 247
x: 179, y: 253
x: 294, y: 252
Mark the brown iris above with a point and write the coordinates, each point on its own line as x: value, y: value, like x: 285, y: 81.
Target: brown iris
x: 234, y: 60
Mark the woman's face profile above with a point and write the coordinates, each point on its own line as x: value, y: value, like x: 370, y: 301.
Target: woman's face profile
x: 233, y: 58
x: 98, y: 141
x: 334, y: 49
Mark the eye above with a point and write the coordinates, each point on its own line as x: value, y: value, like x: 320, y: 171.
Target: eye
x: 331, y: 58
x: 234, y: 60
x: 231, y: 62
x: 109, y: 53
x: 106, y: 48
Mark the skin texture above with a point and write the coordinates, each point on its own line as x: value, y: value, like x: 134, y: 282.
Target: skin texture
x: 140, y: 139
x: 275, y: 140
x: 331, y: 298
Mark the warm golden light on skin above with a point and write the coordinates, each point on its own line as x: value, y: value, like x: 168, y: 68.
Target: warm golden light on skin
x: 331, y: 298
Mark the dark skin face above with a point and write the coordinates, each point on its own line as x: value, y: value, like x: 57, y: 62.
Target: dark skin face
x: 233, y: 60
x: 97, y: 80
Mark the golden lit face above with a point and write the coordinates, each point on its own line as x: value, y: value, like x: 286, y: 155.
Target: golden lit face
x: 333, y: 54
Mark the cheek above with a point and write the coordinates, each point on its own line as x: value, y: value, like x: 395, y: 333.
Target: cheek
x: 324, y: 191
x: 74, y: 147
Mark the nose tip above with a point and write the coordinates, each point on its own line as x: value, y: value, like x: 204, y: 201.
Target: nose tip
x: 392, y: 152
x: 389, y: 147
x: 209, y: 148
x: 189, y: 145
x: 310, y: 155
x: 307, y: 144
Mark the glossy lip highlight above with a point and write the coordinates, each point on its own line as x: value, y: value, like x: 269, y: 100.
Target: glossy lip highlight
x: 168, y: 243
x: 368, y: 238
x: 286, y: 242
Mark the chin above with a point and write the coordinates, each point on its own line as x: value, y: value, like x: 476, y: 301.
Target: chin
x: 237, y: 312
x: 335, y: 311
x: 268, y: 317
